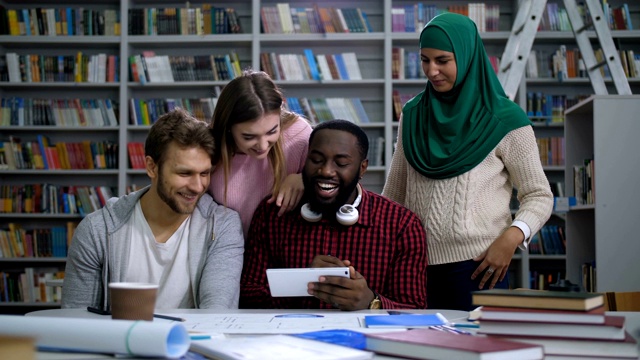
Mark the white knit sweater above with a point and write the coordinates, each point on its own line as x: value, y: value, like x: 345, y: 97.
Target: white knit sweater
x: 463, y: 215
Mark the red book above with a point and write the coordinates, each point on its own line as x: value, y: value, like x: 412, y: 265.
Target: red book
x: 584, y: 348
x: 594, y: 316
x: 132, y: 155
x: 432, y: 344
x: 612, y: 329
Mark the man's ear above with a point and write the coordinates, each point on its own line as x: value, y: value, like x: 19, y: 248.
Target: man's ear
x: 151, y: 167
x: 363, y: 167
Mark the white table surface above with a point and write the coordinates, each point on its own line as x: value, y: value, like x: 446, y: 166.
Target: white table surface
x: 632, y: 323
x: 451, y: 315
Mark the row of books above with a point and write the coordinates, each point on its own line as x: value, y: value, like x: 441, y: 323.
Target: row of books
x: 135, y: 150
x: 551, y: 150
x: 565, y: 324
x: 556, y: 18
x: 341, y: 66
x: 399, y: 99
x: 16, y: 242
x: 318, y: 110
x: 41, y: 154
x: 619, y: 18
x: 18, y: 111
x: 549, y: 108
x: 80, y: 68
x: 566, y: 63
x: 61, y: 21
x: 30, y: 285
x: 188, y: 20
x: 286, y: 19
x: 53, y: 199
x: 149, y: 67
x: 561, y: 64
x: 550, y: 240
x: 412, y: 18
x: 543, y: 279
x: 630, y: 63
x: 376, y: 150
x: 583, y: 187
x: 406, y: 64
x: 147, y: 111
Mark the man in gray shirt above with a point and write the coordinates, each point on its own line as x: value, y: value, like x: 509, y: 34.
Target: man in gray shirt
x: 170, y: 233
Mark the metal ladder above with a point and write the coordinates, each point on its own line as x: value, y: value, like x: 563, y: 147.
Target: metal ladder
x: 525, y: 27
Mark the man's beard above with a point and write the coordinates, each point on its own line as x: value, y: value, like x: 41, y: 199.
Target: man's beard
x: 328, y: 210
x: 164, y: 195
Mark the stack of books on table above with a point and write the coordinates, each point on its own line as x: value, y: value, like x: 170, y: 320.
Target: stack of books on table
x: 569, y: 325
x: 437, y: 345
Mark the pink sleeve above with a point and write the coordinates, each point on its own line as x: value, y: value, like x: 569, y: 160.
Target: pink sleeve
x: 296, y: 145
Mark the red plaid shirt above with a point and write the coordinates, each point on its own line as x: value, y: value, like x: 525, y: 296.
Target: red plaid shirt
x: 387, y: 246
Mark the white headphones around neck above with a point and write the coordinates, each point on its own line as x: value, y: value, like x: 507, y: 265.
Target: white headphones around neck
x: 347, y: 214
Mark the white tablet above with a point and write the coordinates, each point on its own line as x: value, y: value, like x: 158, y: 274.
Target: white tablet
x: 293, y: 282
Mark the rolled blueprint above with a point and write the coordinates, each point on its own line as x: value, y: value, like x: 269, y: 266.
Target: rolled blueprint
x: 134, y: 338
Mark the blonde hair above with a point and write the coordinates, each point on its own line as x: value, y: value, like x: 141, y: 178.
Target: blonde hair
x: 248, y: 97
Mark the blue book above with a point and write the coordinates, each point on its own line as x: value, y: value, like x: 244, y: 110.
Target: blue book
x: 627, y: 16
x: 362, y: 114
x: 313, y: 67
x: 70, y: 22
x: 342, y: 67
x: 404, y: 320
x: 27, y: 21
x: 349, y: 338
x: 366, y: 21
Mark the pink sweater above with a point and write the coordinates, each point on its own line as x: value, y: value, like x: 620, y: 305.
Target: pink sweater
x: 250, y: 180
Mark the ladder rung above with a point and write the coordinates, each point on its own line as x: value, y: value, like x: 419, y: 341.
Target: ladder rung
x: 584, y: 28
x: 598, y: 65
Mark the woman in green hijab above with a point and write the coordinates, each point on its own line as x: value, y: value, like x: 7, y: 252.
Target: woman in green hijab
x: 462, y: 147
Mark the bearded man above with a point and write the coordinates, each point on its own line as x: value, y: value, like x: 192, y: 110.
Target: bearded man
x: 341, y: 224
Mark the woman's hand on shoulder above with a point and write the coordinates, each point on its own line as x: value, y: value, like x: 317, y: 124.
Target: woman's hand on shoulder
x: 290, y: 193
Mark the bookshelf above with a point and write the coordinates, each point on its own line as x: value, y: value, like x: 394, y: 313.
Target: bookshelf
x: 374, y: 52
x: 604, y: 230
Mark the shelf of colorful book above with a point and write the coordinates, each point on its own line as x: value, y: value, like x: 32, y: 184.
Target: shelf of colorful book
x: 62, y: 172
x: 193, y: 18
x: 34, y: 260
x: 173, y: 41
x: 56, y: 128
x: 324, y: 60
x: 328, y: 17
x: 59, y: 85
x: 40, y: 216
x: 82, y: 41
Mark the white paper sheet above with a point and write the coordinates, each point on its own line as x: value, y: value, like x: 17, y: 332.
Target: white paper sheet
x: 135, y: 338
x: 276, y: 323
x: 281, y: 347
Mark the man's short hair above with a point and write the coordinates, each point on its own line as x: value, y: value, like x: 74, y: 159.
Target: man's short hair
x: 181, y: 127
x: 344, y: 125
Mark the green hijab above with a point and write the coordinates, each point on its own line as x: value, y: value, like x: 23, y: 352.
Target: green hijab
x: 448, y: 134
